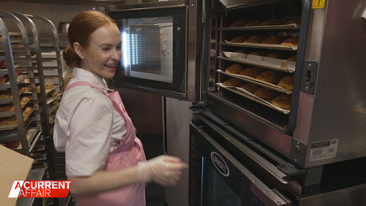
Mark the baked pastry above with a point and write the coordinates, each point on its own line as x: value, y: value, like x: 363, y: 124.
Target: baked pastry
x: 24, y: 101
x: 292, y: 58
x: 7, y: 109
x: 254, y: 39
x: 294, y: 20
x: 27, y: 111
x: 238, y: 39
x: 258, y: 53
x: 240, y: 51
x: 283, y: 101
x: 237, y: 24
x: 250, y: 87
x: 265, y: 93
x: 5, y: 94
x: 253, y: 23
x: 276, y: 55
x: 292, y: 41
x: 55, y: 102
x: 8, y: 121
x: 287, y: 83
x: 270, y: 22
x: 270, y: 76
x: 273, y: 40
x: 252, y: 72
x: 12, y: 145
x: 53, y: 93
x: 234, y: 69
x: 38, y: 89
x: 48, y: 85
x: 233, y: 82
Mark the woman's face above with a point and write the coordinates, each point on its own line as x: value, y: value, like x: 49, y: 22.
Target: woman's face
x: 104, y: 51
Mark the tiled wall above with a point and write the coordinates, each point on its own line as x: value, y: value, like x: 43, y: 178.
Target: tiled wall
x: 55, y: 12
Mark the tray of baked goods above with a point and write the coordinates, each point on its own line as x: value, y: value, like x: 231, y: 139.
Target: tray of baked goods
x: 269, y: 24
x: 49, y: 86
x: 11, y: 122
x: 6, y: 84
x: 6, y: 97
x: 270, y: 42
x: 53, y: 97
x: 265, y: 96
x: 10, y: 138
x: 270, y: 61
x: 275, y: 80
x: 8, y: 111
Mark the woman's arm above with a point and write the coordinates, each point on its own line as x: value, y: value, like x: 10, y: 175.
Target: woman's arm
x: 164, y: 170
x: 103, y: 181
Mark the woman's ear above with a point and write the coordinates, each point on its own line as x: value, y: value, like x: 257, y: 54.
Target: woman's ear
x: 79, y: 50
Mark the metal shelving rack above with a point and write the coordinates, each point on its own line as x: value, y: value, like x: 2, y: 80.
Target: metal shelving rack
x: 47, y: 69
x: 25, y: 128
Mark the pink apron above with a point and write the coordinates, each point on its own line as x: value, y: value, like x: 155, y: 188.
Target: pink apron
x: 125, y: 155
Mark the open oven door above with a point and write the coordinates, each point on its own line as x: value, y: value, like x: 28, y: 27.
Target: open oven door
x: 160, y: 48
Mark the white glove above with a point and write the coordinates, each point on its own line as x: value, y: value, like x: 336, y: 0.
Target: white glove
x: 164, y: 170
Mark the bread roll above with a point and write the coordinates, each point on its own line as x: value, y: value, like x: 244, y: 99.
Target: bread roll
x: 234, y: 69
x: 240, y: 51
x: 238, y: 23
x: 287, y: 83
x: 294, y: 20
x: 283, y: 101
x: 252, y: 72
x: 250, y: 87
x: 292, y: 58
x: 48, y: 85
x: 277, y: 55
x: 270, y: 22
x: 238, y: 39
x: 258, y: 53
x: 292, y: 41
x: 7, y: 109
x: 253, y: 23
x: 273, y: 40
x: 265, y: 93
x: 269, y: 76
x: 254, y: 39
x: 53, y: 93
x: 12, y: 145
x: 233, y: 82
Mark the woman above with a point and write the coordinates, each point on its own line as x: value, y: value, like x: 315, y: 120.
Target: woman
x: 104, y: 158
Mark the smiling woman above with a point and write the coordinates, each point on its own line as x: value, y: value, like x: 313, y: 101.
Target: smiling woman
x: 104, y: 158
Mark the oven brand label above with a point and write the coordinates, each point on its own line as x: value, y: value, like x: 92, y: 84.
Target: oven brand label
x: 323, y: 150
x: 220, y: 164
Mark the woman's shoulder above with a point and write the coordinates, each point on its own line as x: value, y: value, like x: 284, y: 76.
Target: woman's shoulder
x: 80, y: 94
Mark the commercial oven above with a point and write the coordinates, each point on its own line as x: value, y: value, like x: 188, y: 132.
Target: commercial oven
x: 278, y: 108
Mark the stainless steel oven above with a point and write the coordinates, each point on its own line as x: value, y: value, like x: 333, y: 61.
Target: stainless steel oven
x: 278, y: 95
x: 155, y: 40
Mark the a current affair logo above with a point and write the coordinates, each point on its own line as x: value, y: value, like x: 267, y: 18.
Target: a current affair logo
x: 39, y: 189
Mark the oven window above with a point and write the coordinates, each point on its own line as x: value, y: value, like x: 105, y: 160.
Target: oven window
x: 153, y: 48
x: 223, y: 191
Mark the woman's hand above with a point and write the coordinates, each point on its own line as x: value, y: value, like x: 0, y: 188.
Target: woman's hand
x: 164, y: 170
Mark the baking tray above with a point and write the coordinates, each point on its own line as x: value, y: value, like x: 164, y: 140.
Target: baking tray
x: 272, y: 27
x: 51, y: 99
x: 248, y: 95
x: 257, y: 82
x: 260, y: 61
x: 261, y: 46
x: 7, y: 85
x: 13, y: 126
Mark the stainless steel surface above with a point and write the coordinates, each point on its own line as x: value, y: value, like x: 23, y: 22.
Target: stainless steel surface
x: 178, y: 116
x: 194, y: 35
x: 63, y: 27
x: 339, y: 102
x: 346, y: 197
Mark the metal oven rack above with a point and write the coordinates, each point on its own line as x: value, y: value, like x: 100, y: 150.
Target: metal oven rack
x: 20, y: 118
x: 46, y: 60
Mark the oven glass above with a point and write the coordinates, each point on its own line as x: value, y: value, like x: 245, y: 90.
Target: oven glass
x: 153, y: 45
x: 217, y: 191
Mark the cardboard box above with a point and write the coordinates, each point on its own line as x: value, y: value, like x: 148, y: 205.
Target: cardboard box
x: 13, y: 166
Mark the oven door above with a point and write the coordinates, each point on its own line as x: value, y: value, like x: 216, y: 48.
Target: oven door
x: 216, y: 178
x: 154, y: 49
